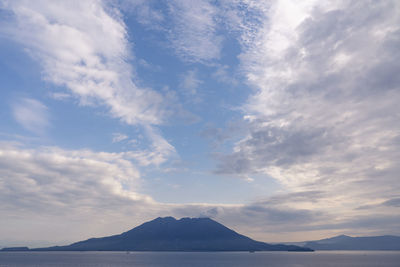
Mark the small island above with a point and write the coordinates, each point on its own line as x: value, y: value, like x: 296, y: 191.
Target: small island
x: 15, y: 249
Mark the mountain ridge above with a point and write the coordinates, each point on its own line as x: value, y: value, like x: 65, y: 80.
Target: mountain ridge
x: 345, y: 242
x: 170, y: 234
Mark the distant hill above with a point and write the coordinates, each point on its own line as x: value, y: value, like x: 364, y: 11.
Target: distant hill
x: 169, y: 234
x: 344, y: 242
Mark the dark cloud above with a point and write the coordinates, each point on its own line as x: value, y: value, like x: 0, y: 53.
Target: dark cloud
x: 278, y: 216
x: 275, y: 146
x: 394, y: 202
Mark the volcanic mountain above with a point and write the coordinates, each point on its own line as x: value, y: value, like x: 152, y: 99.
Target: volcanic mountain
x: 169, y: 234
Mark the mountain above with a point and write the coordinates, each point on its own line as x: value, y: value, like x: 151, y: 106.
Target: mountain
x: 344, y: 242
x: 169, y: 234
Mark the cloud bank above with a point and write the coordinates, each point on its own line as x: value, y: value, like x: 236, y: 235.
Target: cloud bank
x: 325, y: 113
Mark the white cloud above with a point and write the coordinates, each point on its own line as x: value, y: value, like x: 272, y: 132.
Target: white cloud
x: 118, y: 137
x: 51, y: 172
x: 32, y: 115
x: 324, y: 114
x: 159, y: 151
x: 68, y: 38
x: 94, y: 72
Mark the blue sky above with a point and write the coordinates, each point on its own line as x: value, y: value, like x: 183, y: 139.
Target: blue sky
x: 278, y: 118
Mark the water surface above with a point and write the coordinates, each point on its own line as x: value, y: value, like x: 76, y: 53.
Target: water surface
x: 203, y: 259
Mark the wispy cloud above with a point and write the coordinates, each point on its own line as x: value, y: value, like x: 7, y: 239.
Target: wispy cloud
x: 32, y: 115
x: 60, y: 95
x: 222, y: 75
x: 118, y: 137
x: 190, y: 83
x: 194, y: 36
x: 191, y: 27
x: 159, y: 151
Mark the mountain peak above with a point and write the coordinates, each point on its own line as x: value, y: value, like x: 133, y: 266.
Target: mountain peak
x: 196, y: 219
x: 343, y: 236
x: 168, y: 218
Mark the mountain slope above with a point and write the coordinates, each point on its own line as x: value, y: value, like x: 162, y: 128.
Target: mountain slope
x: 169, y: 234
x: 343, y: 242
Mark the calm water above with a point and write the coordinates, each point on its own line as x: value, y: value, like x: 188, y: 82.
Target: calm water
x: 203, y: 259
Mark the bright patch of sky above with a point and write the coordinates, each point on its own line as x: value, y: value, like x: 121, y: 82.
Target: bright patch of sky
x: 278, y: 118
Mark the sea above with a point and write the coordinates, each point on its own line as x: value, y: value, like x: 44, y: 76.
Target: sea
x: 203, y: 259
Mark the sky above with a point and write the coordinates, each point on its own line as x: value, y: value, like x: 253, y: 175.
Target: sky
x: 279, y: 118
